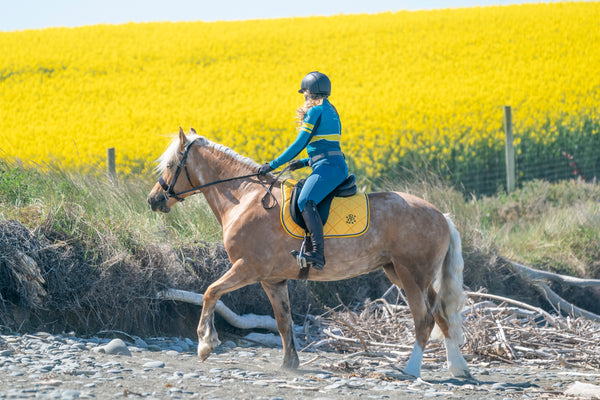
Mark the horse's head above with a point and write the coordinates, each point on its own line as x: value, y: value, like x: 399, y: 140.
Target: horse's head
x: 174, y: 178
x: 184, y: 172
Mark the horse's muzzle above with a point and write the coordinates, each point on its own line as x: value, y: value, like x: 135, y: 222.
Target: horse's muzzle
x: 158, y: 202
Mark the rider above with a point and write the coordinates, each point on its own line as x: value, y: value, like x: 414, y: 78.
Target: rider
x: 319, y: 131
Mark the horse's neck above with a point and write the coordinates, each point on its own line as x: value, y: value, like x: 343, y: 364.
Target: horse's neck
x: 223, y: 197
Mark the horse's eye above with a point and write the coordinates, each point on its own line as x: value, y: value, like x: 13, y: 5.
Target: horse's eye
x: 170, y: 165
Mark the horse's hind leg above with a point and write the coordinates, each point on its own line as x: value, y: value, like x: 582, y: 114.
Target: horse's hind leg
x: 421, y: 312
x: 235, y: 278
x: 456, y: 362
x: 278, y: 295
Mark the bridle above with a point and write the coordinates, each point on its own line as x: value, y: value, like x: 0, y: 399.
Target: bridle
x: 169, y: 191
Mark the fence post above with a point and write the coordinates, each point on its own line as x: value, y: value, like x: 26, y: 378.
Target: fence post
x: 111, y: 164
x: 510, y: 150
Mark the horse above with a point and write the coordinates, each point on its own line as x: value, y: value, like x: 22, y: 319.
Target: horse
x: 417, y: 246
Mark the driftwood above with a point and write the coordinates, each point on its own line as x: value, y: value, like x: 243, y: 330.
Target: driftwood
x: 515, y: 334
x: 561, y: 305
x: 496, y: 328
x: 248, y: 321
x: 536, y: 277
x: 532, y: 273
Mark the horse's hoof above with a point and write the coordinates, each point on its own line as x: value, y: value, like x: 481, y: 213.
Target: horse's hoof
x: 463, y: 374
x: 203, y: 352
x: 293, y: 365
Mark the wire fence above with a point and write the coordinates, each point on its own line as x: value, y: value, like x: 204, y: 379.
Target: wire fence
x: 569, y: 155
x: 559, y: 165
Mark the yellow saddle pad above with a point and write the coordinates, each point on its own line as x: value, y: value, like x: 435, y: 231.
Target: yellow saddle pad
x: 348, y: 216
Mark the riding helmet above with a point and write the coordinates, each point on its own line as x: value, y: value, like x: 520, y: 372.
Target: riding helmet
x: 316, y: 83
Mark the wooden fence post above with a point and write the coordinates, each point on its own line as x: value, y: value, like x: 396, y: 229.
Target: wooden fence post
x: 111, y: 164
x: 510, y: 150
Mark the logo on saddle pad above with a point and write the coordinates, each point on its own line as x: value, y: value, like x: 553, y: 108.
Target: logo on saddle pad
x: 348, y: 216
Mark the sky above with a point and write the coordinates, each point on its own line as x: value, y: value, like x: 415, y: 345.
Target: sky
x: 37, y: 14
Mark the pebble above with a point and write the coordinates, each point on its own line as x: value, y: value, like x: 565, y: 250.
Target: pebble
x: 154, y: 364
x: 584, y: 390
x: 115, y: 346
x: 47, y: 366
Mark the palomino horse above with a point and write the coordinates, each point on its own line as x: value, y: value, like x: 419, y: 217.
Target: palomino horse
x: 409, y: 238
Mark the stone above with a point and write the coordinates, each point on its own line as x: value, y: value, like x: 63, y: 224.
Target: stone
x: 115, y: 346
x: 583, y: 390
x: 70, y: 394
x: 154, y: 364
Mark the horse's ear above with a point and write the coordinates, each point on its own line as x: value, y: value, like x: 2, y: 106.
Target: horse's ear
x: 193, y: 131
x: 182, y: 139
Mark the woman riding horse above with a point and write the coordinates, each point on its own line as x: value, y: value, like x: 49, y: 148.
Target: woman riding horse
x: 418, y: 248
x: 319, y: 132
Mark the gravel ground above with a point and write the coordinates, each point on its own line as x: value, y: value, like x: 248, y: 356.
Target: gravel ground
x: 67, y: 367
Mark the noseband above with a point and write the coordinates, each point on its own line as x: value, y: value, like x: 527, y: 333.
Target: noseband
x: 169, y: 191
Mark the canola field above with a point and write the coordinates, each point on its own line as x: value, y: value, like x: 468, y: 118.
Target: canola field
x: 412, y: 88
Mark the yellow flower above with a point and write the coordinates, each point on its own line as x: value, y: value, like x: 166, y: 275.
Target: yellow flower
x: 405, y: 84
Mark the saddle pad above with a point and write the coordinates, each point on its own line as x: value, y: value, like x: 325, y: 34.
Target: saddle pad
x: 348, y: 216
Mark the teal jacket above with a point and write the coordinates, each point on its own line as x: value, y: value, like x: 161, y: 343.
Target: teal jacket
x: 320, y: 133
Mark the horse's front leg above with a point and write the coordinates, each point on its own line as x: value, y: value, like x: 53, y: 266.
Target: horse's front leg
x: 280, y: 300
x: 238, y: 276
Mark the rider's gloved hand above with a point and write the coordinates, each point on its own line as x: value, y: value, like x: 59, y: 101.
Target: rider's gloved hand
x: 264, y: 169
x: 296, y: 164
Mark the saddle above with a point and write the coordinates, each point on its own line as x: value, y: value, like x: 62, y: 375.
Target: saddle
x: 345, y: 189
x: 344, y: 213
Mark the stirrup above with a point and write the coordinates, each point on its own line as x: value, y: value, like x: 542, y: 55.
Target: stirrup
x: 300, y: 256
x: 300, y: 259
x: 304, y: 262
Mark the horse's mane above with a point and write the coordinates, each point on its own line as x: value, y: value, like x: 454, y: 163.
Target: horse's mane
x: 171, y: 153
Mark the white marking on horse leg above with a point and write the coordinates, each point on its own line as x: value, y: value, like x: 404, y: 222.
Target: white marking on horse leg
x: 208, y: 341
x: 413, y: 367
x: 456, y: 362
x: 233, y: 279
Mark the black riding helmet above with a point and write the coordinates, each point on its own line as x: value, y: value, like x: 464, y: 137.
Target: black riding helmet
x: 316, y: 83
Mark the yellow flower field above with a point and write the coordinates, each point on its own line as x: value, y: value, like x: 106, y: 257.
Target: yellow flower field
x: 425, y: 86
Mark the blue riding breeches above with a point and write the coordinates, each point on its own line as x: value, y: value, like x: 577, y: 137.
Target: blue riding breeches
x: 327, y: 174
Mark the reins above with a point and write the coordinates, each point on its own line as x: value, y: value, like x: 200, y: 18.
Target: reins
x: 197, y: 188
x: 169, y: 192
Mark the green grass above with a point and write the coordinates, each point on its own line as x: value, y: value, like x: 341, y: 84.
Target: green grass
x: 553, y: 226
x: 92, y: 206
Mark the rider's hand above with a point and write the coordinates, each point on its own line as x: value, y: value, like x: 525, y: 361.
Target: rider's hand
x: 264, y: 169
x: 296, y: 164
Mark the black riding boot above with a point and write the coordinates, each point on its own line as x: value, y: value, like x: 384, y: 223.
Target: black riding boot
x: 312, y: 219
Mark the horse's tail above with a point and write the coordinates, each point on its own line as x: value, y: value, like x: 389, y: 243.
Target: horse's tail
x: 451, y: 297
